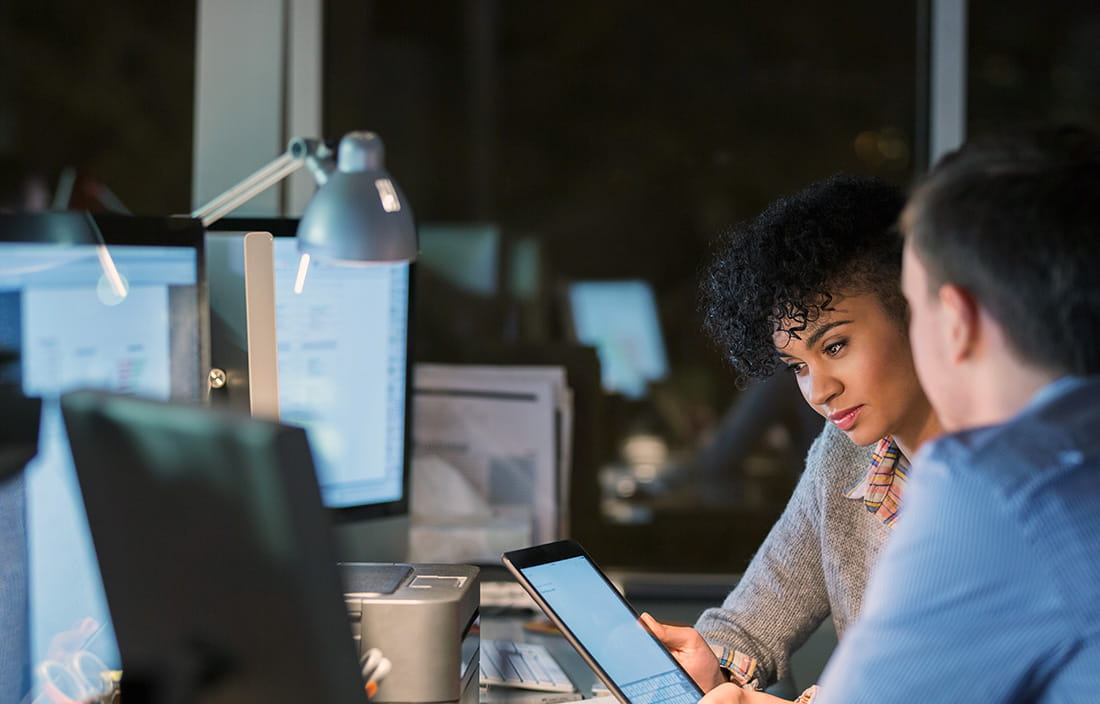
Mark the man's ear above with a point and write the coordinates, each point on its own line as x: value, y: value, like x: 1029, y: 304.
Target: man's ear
x: 960, y: 320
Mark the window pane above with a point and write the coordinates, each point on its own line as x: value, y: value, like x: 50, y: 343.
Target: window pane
x: 621, y: 140
x: 1019, y: 74
x: 106, y: 89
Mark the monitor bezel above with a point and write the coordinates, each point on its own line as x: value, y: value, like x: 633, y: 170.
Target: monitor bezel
x: 288, y: 227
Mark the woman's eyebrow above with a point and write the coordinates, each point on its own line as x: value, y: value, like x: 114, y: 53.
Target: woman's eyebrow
x: 823, y: 330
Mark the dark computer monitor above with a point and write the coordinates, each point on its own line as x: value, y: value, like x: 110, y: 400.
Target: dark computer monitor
x: 70, y: 328
x: 464, y: 285
x: 466, y: 254
x: 619, y: 318
x: 215, y: 551
x: 342, y: 339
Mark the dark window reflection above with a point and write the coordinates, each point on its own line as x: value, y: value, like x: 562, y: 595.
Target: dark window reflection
x: 99, y: 97
x: 1033, y: 62
x: 614, y: 142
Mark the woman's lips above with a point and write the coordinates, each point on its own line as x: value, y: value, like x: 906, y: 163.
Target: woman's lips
x: 845, y: 419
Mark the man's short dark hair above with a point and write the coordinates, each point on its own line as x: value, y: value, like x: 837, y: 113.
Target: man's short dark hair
x: 786, y: 266
x: 1014, y: 218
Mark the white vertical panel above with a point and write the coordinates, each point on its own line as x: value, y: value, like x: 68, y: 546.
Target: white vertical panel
x: 263, y: 357
x: 947, y: 94
x: 303, y: 103
x: 238, y: 97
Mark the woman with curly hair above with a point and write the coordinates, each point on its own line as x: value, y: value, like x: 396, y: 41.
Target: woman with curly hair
x: 812, y: 286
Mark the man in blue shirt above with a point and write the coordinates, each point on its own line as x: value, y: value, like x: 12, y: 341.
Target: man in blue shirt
x: 989, y: 589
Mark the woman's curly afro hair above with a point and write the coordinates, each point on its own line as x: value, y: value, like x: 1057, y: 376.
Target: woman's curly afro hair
x: 833, y: 238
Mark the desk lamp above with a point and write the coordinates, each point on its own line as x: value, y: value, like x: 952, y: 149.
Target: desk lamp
x: 358, y: 213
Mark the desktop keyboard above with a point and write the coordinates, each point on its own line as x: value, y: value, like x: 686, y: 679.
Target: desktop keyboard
x: 522, y: 665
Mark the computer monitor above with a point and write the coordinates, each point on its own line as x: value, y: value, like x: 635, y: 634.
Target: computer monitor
x: 466, y: 254
x: 215, y: 551
x: 342, y: 336
x: 70, y: 328
x: 619, y: 318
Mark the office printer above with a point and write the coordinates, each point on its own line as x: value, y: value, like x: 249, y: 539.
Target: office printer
x: 422, y: 617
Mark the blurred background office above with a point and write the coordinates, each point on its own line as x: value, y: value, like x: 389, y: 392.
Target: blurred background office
x: 575, y: 141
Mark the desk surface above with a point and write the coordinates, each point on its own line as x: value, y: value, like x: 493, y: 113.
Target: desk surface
x: 806, y: 663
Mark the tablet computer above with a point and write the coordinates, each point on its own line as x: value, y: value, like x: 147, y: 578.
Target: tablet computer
x: 581, y: 601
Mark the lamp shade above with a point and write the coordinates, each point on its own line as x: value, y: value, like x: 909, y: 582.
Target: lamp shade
x: 359, y: 214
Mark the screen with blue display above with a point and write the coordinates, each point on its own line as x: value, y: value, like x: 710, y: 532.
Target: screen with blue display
x: 580, y: 599
x: 120, y: 318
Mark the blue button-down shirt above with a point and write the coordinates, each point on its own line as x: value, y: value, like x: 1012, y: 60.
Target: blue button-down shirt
x: 989, y: 589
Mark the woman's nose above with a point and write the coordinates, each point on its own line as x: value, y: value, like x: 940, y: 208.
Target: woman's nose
x: 822, y: 388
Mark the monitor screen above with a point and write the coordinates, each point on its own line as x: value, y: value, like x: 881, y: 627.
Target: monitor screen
x: 75, y: 324
x: 342, y: 337
x: 619, y: 318
x: 343, y: 371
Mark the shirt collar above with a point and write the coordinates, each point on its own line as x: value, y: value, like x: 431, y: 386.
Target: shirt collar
x: 1054, y: 389
x: 882, y: 486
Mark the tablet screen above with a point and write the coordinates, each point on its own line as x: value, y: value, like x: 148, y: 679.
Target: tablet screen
x: 607, y: 628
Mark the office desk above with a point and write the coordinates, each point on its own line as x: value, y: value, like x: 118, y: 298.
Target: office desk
x: 806, y: 663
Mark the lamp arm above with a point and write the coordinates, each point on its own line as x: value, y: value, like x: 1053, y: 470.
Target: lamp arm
x: 299, y: 152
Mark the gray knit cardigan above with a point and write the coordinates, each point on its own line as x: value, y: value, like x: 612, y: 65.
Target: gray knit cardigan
x: 814, y: 562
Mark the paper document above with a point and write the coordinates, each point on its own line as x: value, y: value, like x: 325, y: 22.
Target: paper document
x: 487, y: 460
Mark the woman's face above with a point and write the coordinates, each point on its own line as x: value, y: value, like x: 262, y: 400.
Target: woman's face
x: 854, y: 367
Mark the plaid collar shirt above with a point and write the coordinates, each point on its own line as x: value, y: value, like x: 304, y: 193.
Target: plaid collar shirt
x: 882, y: 487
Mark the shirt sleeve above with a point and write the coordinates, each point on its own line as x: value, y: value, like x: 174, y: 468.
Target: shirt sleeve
x: 780, y: 599
x: 957, y: 608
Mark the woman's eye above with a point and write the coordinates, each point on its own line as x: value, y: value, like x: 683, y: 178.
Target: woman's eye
x: 835, y: 348
x: 795, y: 367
